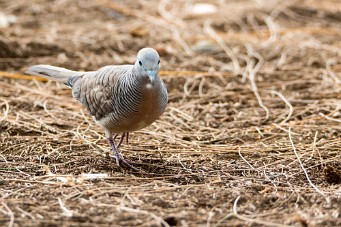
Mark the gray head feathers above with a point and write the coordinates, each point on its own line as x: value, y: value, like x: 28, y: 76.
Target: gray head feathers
x: 148, y: 63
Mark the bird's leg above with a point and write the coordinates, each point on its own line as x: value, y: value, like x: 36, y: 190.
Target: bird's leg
x: 121, y: 140
x: 114, y: 149
x: 127, y: 138
x: 119, y: 158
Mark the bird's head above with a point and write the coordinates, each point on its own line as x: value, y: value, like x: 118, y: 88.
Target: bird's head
x: 148, y: 63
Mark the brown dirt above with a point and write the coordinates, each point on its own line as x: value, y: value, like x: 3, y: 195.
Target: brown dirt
x: 251, y: 135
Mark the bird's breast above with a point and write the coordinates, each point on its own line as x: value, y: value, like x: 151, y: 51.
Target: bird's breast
x: 152, y: 100
x: 150, y: 108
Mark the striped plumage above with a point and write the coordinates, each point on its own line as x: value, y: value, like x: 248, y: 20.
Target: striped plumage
x: 121, y: 99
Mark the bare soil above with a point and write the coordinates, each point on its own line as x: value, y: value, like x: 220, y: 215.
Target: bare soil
x: 251, y: 135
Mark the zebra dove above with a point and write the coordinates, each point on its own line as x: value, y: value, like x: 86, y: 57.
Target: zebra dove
x: 120, y: 98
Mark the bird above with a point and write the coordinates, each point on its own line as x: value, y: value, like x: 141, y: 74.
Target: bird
x: 120, y: 98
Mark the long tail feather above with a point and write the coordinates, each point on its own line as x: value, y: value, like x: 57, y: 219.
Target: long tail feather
x: 51, y: 72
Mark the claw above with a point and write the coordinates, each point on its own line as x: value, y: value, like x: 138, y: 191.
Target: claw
x: 120, y: 159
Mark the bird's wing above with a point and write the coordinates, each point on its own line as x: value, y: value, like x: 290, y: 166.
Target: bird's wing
x: 100, y: 90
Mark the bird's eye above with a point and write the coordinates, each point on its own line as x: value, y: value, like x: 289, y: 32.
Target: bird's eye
x: 158, y: 62
x: 140, y: 63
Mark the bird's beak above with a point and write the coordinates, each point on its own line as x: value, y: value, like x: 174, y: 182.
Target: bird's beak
x: 151, y: 74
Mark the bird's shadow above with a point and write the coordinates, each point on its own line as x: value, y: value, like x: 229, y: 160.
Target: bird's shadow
x: 142, y: 165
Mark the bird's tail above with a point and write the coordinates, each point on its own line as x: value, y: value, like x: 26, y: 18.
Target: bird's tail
x: 52, y: 72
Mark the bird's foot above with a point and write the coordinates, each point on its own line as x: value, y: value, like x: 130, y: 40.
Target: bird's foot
x: 119, y: 159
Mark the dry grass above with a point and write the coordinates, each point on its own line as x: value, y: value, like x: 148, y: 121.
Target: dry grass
x: 251, y: 135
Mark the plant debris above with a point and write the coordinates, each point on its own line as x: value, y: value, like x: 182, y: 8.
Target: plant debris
x: 251, y: 135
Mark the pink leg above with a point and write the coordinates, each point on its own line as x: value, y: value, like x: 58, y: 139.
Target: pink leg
x: 119, y: 158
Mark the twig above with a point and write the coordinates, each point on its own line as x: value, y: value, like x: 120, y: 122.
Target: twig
x: 272, y: 29
x: 209, y: 30
x: 181, y: 41
x: 330, y: 71
x: 209, y: 218
x: 259, y: 131
x: 315, y: 148
x: 261, y: 222
x: 301, y: 164
x: 253, y: 53
x: 251, y: 70
x: 25, y: 213
x: 10, y: 214
x: 66, y: 212
x: 229, y: 215
x: 5, y: 110
x: 285, y: 130
x: 20, y: 76
x: 255, y: 90
x: 245, y: 159
x: 282, y: 60
x: 162, y: 9
x: 330, y: 118
x: 291, y: 109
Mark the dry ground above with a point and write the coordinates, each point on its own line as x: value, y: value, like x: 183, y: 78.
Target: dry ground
x: 251, y: 135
